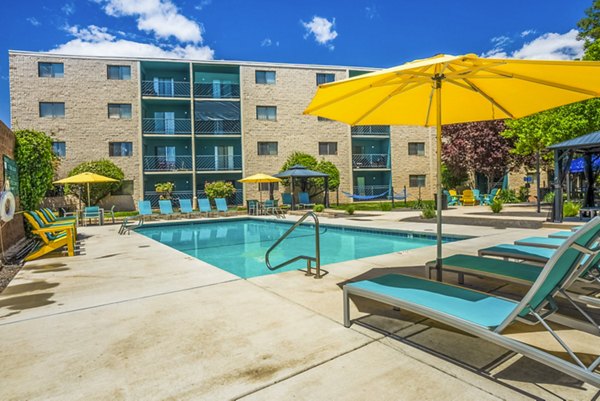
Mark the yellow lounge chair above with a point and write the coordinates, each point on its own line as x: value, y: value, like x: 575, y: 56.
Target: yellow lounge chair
x: 53, y: 238
x: 34, y: 218
x: 468, y: 198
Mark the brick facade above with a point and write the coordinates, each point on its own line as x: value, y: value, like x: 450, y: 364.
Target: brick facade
x: 13, y: 230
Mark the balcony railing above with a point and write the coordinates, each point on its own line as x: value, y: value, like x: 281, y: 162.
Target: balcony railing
x: 217, y: 91
x: 372, y: 190
x: 177, y: 126
x: 370, y: 160
x: 218, y: 127
x: 166, y: 88
x: 371, y: 130
x: 163, y: 163
x: 236, y: 199
x: 154, y: 197
x: 218, y: 163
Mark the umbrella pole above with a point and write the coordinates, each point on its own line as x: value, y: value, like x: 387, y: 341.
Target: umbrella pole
x: 438, y: 101
x: 88, y: 199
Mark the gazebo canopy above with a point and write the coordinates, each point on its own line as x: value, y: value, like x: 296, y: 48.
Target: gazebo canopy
x: 589, y: 143
x: 300, y: 171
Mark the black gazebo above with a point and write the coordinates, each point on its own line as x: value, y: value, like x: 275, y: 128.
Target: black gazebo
x: 300, y: 171
x: 586, y: 145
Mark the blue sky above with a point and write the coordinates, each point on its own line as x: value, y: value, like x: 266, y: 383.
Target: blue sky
x: 374, y: 33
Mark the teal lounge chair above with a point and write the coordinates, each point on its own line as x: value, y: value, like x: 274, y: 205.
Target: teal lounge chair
x: 286, y: 199
x: 144, y: 208
x: 204, y: 206
x: 518, y: 252
x: 488, y: 316
x: 185, y: 207
x: 221, y: 204
x: 166, y: 208
x: 561, y: 234
x: 304, y: 200
x: 542, y: 242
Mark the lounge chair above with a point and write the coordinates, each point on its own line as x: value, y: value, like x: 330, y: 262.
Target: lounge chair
x: 518, y: 252
x: 91, y: 212
x: 468, y: 198
x: 144, y: 208
x: 33, y: 217
x: 49, y: 217
x: 542, y: 242
x: 286, y: 199
x: 52, y: 237
x: 204, y: 205
x: 166, y: 208
x: 185, y: 207
x: 304, y: 200
x: 221, y: 204
x: 561, y: 234
x: 487, y: 316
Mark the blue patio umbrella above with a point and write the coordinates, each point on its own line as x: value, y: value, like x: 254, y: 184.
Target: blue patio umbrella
x: 300, y: 171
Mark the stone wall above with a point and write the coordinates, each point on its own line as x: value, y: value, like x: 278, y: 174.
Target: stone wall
x: 86, y: 92
x: 12, y: 231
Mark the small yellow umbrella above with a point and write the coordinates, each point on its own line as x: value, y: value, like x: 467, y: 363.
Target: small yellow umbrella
x: 86, y: 178
x: 258, y: 178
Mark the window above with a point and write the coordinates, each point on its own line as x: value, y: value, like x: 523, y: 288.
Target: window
x: 266, y: 113
x: 120, y: 149
x: 116, y: 110
x: 416, y: 181
x: 324, y: 78
x: 264, y: 186
x: 265, y: 77
x: 416, y: 148
x: 267, y: 148
x: 59, y: 149
x: 52, y: 109
x: 323, y: 119
x: 51, y: 70
x: 119, y: 72
x: 328, y: 148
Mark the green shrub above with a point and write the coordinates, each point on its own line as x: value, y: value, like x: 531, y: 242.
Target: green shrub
x: 428, y: 211
x: 350, y: 209
x: 571, y: 209
x: 165, y: 189
x: 385, y: 206
x: 219, y: 189
x: 507, y: 196
x: 549, y: 197
x: 97, y: 191
x: 318, y: 208
x: 496, y: 206
x: 523, y: 194
x: 36, y: 163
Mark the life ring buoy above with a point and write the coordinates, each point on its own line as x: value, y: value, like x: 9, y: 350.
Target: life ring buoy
x: 8, y: 206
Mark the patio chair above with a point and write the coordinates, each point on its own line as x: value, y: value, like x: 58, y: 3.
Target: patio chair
x: 52, y: 237
x: 488, y: 316
x: 35, y: 220
x: 91, y: 212
x: 144, y: 208
x: 48, y: 216
x: 204, y: 205
x: 304, y: 200
x: 468, y: 198
x: 166, y: 208
x: 185, y: 207
x: 541, y: 242
x: 286, y: 199
x: 478, y: 197
x: 221, y: 204
x: 489, y: 198
x: 518, y: 252
x: 253, y: 207
x: 561, y: 234
x: 452, y: 200
x: 271, y: 207
x: 112, y: 213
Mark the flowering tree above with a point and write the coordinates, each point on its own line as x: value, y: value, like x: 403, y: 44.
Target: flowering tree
x: 477, y: 147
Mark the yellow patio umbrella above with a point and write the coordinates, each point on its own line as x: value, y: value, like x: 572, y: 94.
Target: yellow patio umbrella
x: 86, y: 178
x: 258, y: 178
x: 449, y: 89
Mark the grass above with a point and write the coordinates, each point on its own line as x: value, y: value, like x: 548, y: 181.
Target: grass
x: 126, y: 214
x: 377, y: 206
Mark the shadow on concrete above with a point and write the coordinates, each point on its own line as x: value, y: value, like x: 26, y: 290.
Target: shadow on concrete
x: 27, y: 301
x: 29, y: 287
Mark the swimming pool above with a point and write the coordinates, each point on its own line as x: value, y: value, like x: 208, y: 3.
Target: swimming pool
x: 239, y: 245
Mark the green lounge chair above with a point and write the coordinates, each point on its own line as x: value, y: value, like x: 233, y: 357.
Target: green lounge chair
x: 204, y: 205
x: 487, y: 316
x: 166, y: 208
x: 518, y: 252
x: 221, y: 204
x: 542, y: 242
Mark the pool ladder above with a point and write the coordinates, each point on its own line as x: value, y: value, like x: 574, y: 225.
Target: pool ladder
x: 309, y: 259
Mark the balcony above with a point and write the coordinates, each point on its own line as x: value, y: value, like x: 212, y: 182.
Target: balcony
x: 161, y: 126
x: 218, y: 163
x: 163, y: 163
x: 173, y: 89
x: 218, y: 127
x: 382, y: 130
x: 372, y: 190
x: 217, y: 90
x: 360, y: 161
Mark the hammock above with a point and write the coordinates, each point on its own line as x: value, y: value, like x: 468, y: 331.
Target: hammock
x: 365, y: 197
x: 399, y: 196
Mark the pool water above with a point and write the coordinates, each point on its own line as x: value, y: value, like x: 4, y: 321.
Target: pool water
x: 239, y: 245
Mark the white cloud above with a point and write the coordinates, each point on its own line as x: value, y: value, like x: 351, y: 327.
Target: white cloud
x: 68, y: 8
x: 371, y: 11
x: 33, y: 21
x: 96, y: 41
x: 160, y: 17
x: 528, y: 32
x: 203, y: 3
x: 552, y: 46
x: 266, y: 42
x: 501, y: 41
x: 322, y: 29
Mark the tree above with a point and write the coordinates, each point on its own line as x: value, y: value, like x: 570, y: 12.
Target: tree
x: 328, y: 167
x: 36, y: 163
x: 313, y: 185
x: 97, y: 191
x: 477, y: 147
x: 589, y: 28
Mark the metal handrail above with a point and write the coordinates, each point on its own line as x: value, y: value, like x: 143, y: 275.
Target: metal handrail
x: 309, y: 259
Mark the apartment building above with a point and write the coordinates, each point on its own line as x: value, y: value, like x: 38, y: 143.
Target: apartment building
x: 192, y: 122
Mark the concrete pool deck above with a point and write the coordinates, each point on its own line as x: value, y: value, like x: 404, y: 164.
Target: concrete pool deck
x: 131, y: 318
